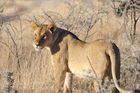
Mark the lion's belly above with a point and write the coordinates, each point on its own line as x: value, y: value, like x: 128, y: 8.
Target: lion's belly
x: 80, y: 58
x: 82, y: 71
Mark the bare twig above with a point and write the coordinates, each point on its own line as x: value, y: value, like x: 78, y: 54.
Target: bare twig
x: 50, y: 18
x: 3, y: 43
x: 130, y: 8
x: 96, y: 77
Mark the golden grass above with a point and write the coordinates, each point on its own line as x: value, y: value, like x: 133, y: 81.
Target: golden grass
x: 32, y: 71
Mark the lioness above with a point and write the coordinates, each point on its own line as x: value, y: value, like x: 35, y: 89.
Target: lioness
x: 71, y: 55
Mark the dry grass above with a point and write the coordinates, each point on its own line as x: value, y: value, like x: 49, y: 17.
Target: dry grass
x: 32, y: 71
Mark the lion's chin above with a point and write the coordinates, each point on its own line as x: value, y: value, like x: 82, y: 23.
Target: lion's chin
x: 37, y: 48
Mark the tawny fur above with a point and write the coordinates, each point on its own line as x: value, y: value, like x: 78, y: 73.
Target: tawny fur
x: 72, y: 55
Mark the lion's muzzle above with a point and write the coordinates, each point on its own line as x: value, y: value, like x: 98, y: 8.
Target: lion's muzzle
x: 37, y: 47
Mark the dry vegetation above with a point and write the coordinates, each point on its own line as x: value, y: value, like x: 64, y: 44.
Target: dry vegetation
x: 23, y: 70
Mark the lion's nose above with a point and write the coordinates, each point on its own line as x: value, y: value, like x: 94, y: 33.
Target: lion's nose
x: 37, y: 44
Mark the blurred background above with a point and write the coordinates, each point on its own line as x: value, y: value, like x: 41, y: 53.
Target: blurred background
x: 23, y: 70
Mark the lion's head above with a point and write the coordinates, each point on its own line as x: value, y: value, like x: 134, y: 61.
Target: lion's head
x: 43, y: 35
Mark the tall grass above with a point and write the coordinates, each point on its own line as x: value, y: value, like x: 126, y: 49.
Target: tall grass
x: 32, y: 71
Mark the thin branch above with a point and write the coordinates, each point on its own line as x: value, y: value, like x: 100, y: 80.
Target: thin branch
x: 7, y: 47
x: 49, y: 17
x: 97, y: 80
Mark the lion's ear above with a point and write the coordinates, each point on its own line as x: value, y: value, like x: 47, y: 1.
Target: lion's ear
x: 34, y: 25
x: 52, y: 27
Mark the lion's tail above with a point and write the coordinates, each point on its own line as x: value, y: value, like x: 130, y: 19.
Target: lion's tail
x: 112, y: 55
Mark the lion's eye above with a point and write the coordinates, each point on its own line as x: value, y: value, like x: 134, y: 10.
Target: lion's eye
x: 44, y: 37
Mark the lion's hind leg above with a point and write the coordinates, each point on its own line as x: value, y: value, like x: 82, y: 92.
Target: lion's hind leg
x: 96, y: 87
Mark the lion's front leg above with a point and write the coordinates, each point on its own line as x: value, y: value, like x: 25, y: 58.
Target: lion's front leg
x: 68, y: 83
x: 60, y: 70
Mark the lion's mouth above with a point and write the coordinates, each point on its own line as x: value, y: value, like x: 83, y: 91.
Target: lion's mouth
x: 37, y: 48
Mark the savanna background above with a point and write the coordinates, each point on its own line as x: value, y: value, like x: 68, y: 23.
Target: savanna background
x: 23, y: 70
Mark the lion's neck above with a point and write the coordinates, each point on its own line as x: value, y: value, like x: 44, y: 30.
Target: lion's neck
x: 61, y: 39
x: 58, y: 39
